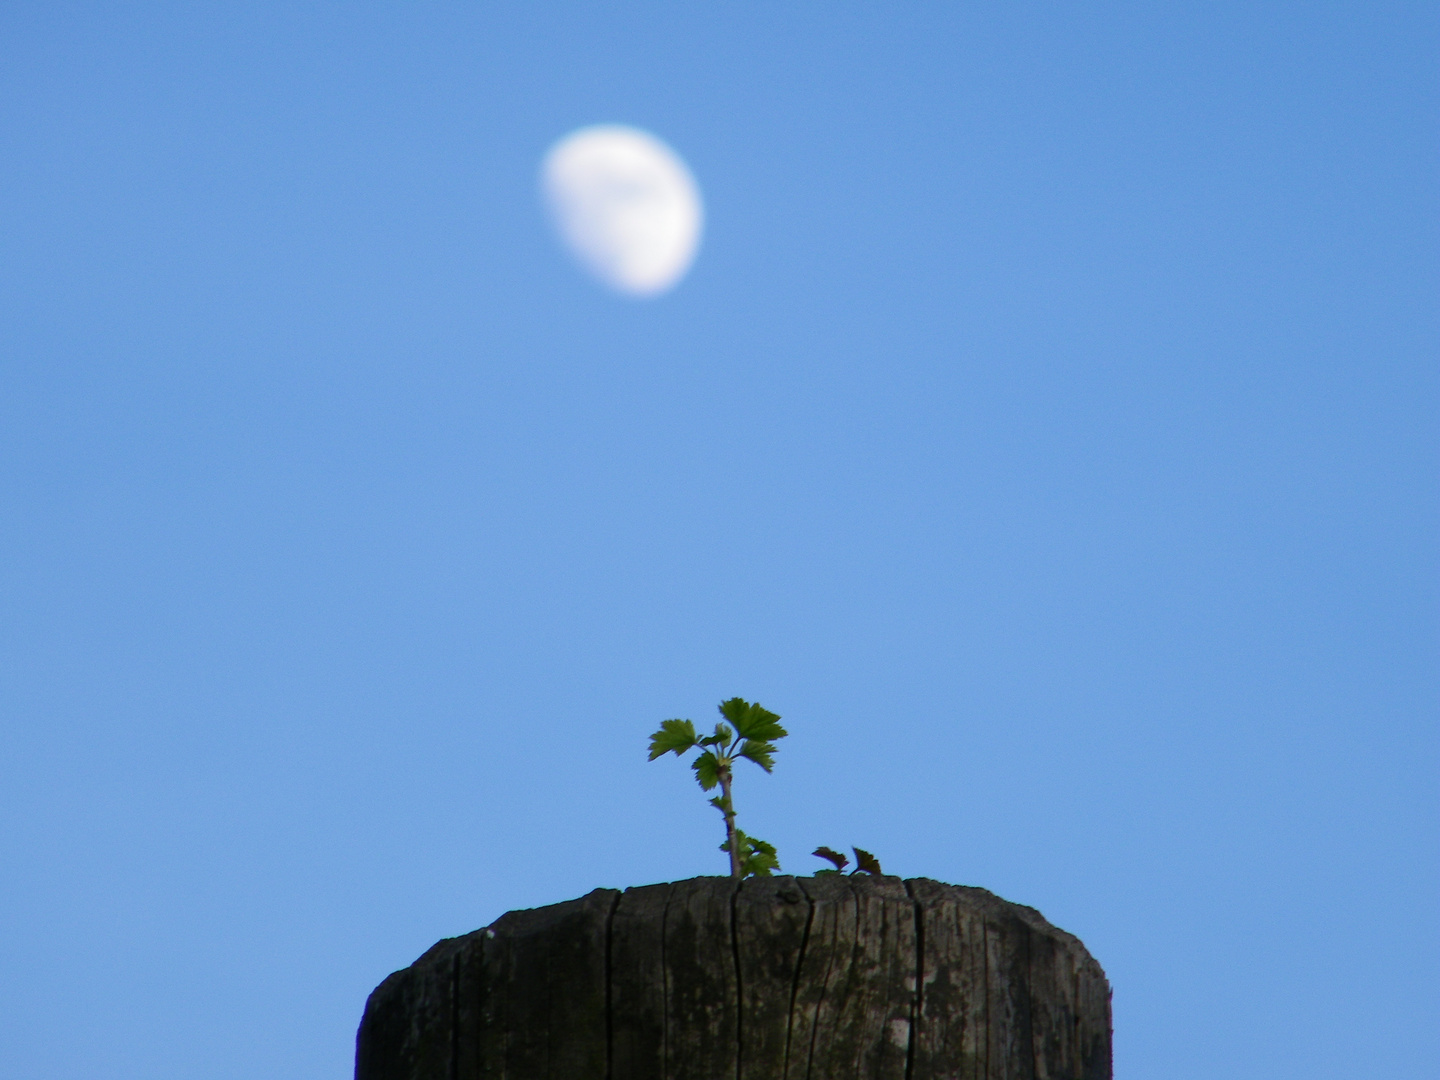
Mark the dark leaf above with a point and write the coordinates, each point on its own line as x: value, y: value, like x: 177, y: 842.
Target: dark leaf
x: 866, y: 863
x: 835, y: 857
x: 757, y: 858
x: 759, y: 752
x: 674, y: 735
x: 760, y: 860
x: 752, y: 721
x: 707, y: 770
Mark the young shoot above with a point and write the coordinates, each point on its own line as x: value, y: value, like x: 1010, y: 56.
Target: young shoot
x: 746, y: 731
x: 865, y: 863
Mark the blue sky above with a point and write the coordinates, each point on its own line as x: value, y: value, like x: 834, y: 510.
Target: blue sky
x: 1047, y: 429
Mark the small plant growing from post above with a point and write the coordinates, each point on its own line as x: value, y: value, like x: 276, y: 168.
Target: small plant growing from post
x: 865, y: 863
x: 748, y: 731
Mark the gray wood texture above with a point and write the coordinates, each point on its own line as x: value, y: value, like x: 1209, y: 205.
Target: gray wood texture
x: 823, y: 978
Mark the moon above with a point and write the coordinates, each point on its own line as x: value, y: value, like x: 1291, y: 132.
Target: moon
x: 626, y: 206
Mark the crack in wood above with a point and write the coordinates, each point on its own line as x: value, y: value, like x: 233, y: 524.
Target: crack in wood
x: 609, y: 1005
x: 985, y: 966
x: 664, y: 993
x: 646, y: 985
x: 739, y: 988
x: 795, y: 983
x: 819, y: 1003
x: 917, y: 1006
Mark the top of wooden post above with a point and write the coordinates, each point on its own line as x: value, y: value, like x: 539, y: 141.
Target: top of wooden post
x: 782, y: 978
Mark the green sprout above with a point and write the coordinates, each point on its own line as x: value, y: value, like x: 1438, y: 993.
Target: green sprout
x: 865, y: 863
x: 750, y: 734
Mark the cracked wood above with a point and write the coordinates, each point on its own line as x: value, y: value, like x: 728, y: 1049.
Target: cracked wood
x: 825, y: 978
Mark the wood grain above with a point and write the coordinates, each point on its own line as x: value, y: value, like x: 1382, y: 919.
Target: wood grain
x: 823, y: 978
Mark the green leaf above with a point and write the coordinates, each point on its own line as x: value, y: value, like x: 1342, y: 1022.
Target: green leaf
x: 707, y: 770
x: 834, y: 856
x: 674, y: 735
x: 752, y: 721
x: 867, y: 863
x: 760, y: 860
x: 757, y: 858
x: 722, y: 804
x: 759, y: 752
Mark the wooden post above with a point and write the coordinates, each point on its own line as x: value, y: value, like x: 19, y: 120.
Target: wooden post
x: 824, y: 978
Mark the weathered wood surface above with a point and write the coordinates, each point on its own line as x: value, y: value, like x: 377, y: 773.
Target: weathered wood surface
x: 824, y: 978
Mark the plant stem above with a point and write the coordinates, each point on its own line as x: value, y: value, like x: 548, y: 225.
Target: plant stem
x: 724, y: 773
